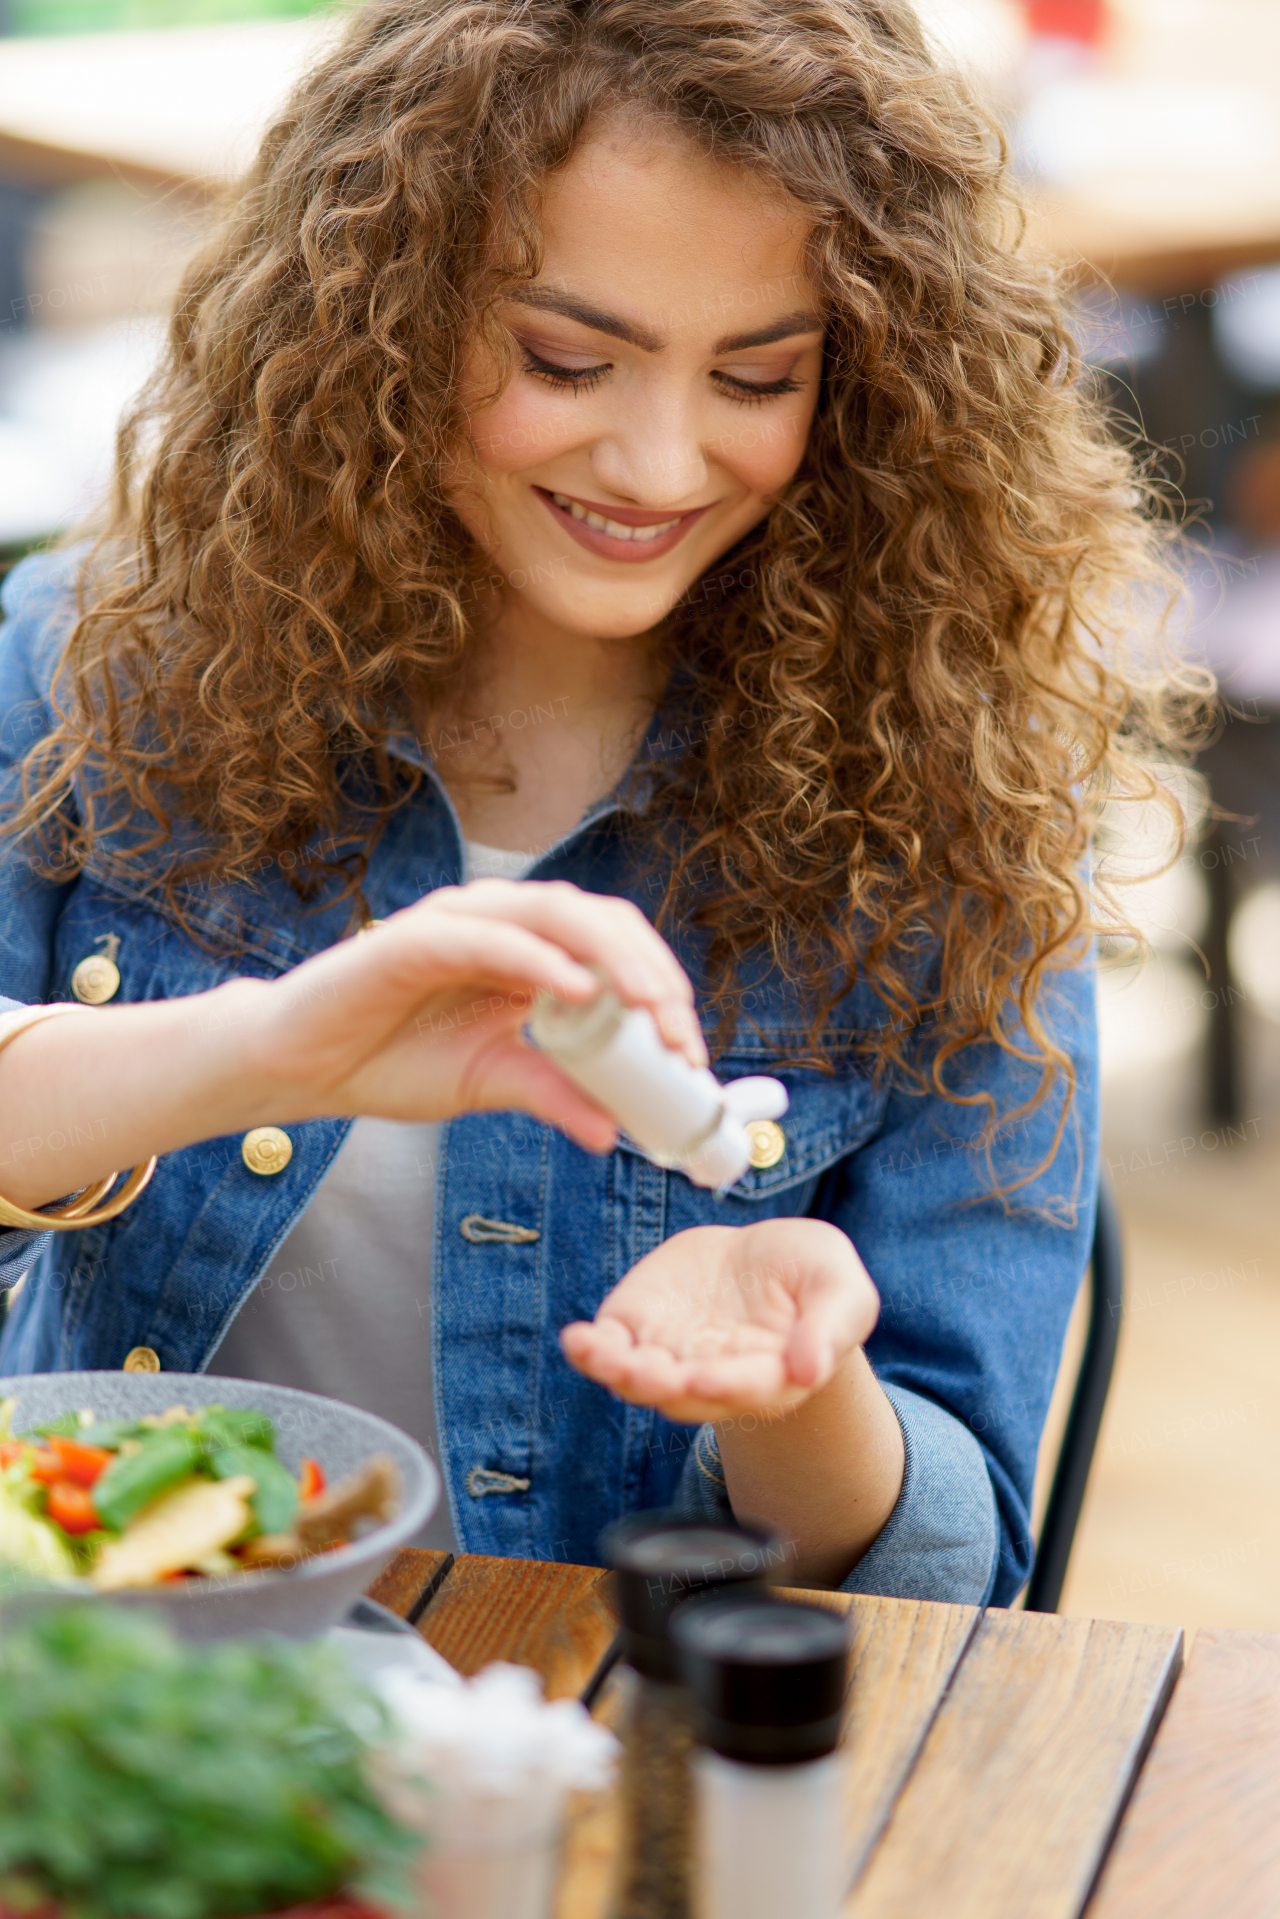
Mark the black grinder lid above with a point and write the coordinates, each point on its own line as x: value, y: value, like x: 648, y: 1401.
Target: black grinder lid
x: 767, y: 1675
x: 661, y: 1559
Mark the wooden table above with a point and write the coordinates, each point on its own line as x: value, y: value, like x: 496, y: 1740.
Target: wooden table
x: 1004, y: 1765
x: 185, y: 105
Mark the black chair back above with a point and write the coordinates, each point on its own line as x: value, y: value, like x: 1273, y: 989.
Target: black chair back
x: 1071, y: 1474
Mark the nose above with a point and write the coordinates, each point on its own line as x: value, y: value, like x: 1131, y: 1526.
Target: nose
x: 652, y: 457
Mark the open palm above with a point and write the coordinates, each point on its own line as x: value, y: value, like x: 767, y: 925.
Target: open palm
x: 720, y: 1320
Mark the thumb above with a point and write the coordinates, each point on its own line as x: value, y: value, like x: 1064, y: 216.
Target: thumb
x: 838, y: 1311
x: 512, y: 1075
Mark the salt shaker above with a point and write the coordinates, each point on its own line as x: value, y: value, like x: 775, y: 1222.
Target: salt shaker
x: 482, y: 1768
x: 660, y: 1560
x: 680, y: 1116
x: 767, y: 1678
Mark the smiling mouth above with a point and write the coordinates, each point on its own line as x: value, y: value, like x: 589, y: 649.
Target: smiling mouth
x: 633, y: 535
x: 615, y: 528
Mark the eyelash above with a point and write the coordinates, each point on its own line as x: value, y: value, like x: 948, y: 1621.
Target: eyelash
x: 582, y: 380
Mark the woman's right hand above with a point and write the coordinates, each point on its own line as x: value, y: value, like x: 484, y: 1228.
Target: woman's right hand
x: 420, y: 1017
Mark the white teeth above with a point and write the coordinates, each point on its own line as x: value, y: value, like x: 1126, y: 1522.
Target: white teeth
x: 614, y: 528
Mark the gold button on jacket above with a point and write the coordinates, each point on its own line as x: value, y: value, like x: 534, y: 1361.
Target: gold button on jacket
x: 96, y: 980
x: 265, y: 1149
x: 143, y: 1359
x: 768, y: 1142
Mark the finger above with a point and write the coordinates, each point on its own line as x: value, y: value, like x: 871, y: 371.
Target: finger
x: 448, y: 948
x: 514, y: 1076
x: 740, y: 1379
x: 587, y: 1342
x: 605, y: 1352
x: 838, y: 1311
x: 680, y: 1028
x: 597, y: 929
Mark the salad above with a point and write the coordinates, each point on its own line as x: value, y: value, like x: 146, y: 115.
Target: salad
x: 171, y: 1496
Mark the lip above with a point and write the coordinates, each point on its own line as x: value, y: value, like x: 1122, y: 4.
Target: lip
x: 606, y: 545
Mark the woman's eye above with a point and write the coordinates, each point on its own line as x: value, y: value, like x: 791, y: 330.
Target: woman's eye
x: 574, y: 379
x: 752, y: 392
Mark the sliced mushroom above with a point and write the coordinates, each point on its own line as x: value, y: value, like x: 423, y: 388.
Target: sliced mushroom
x: 175, y: 1531
x: 371, y: 1492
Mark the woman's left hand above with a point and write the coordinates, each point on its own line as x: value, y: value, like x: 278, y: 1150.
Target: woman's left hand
x: 723, y: 1320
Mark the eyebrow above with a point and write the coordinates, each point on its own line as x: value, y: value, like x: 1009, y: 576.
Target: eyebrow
x: 783, y: 329
x: 548, y: 300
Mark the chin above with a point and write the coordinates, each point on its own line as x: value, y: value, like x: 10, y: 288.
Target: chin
x: 608, y: 612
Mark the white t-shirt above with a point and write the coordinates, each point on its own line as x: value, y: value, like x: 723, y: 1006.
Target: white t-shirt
x: 344, y: 1308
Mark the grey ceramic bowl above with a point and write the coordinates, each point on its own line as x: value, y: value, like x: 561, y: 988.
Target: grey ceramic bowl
x: 311, y: 1597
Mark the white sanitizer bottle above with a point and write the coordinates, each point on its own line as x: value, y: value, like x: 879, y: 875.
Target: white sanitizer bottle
x: 680, y: 1116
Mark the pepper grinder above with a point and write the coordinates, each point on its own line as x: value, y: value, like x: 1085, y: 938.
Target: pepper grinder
x: 660, y: 1559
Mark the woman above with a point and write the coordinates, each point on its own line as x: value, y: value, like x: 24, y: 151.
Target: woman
x: 611, y: 446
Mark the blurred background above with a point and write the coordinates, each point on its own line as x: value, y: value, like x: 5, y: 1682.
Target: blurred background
x: 1148, y: 133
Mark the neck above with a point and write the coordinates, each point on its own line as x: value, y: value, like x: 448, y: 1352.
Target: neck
x: 523, y: 659
x: 540, y: 724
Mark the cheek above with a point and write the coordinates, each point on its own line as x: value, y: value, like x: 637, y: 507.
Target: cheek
x: 523, y: 427
x: 765, y: 450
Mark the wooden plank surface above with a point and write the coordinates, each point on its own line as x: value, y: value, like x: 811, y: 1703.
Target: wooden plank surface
x: 904, y: 1656
x: 1201, y: 1836
x: 409, y: 1579
x: 554, y: 1618
x: 1011, y: 1804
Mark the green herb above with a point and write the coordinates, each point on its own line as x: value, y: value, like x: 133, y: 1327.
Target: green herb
x: 167, y: 1455
x: 141, y: 1779
x: 275, y: 1504
x: 66, y: 1425
x: 235, y: 1426
x: 108, y: 1433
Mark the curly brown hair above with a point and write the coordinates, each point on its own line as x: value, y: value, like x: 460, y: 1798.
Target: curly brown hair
x: 925, y: 637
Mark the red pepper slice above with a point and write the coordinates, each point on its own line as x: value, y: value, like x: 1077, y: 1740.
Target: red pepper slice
x: 82, y: 1464
x: 311, y: 1479
x: 45, y: 1465
x: 70, y: 1507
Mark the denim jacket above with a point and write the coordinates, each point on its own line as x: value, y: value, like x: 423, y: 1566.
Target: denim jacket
x: 976, y: 1289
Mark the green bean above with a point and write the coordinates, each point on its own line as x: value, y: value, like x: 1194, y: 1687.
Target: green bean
x: 275, y: 1503
x: 133, y: 1480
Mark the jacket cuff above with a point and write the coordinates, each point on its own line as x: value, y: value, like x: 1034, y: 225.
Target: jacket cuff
x: 701, y: 1492
x: 18, y: 1251
x: 942, y: 1539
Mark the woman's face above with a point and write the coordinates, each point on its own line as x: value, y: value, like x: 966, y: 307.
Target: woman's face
x: 667, y: 366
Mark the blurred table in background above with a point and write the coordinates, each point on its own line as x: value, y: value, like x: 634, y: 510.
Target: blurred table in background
x: 1160, y: 168
x: 182, y: 106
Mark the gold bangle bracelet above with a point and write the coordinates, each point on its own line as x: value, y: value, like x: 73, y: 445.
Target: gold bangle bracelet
x: 84, y: 1209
